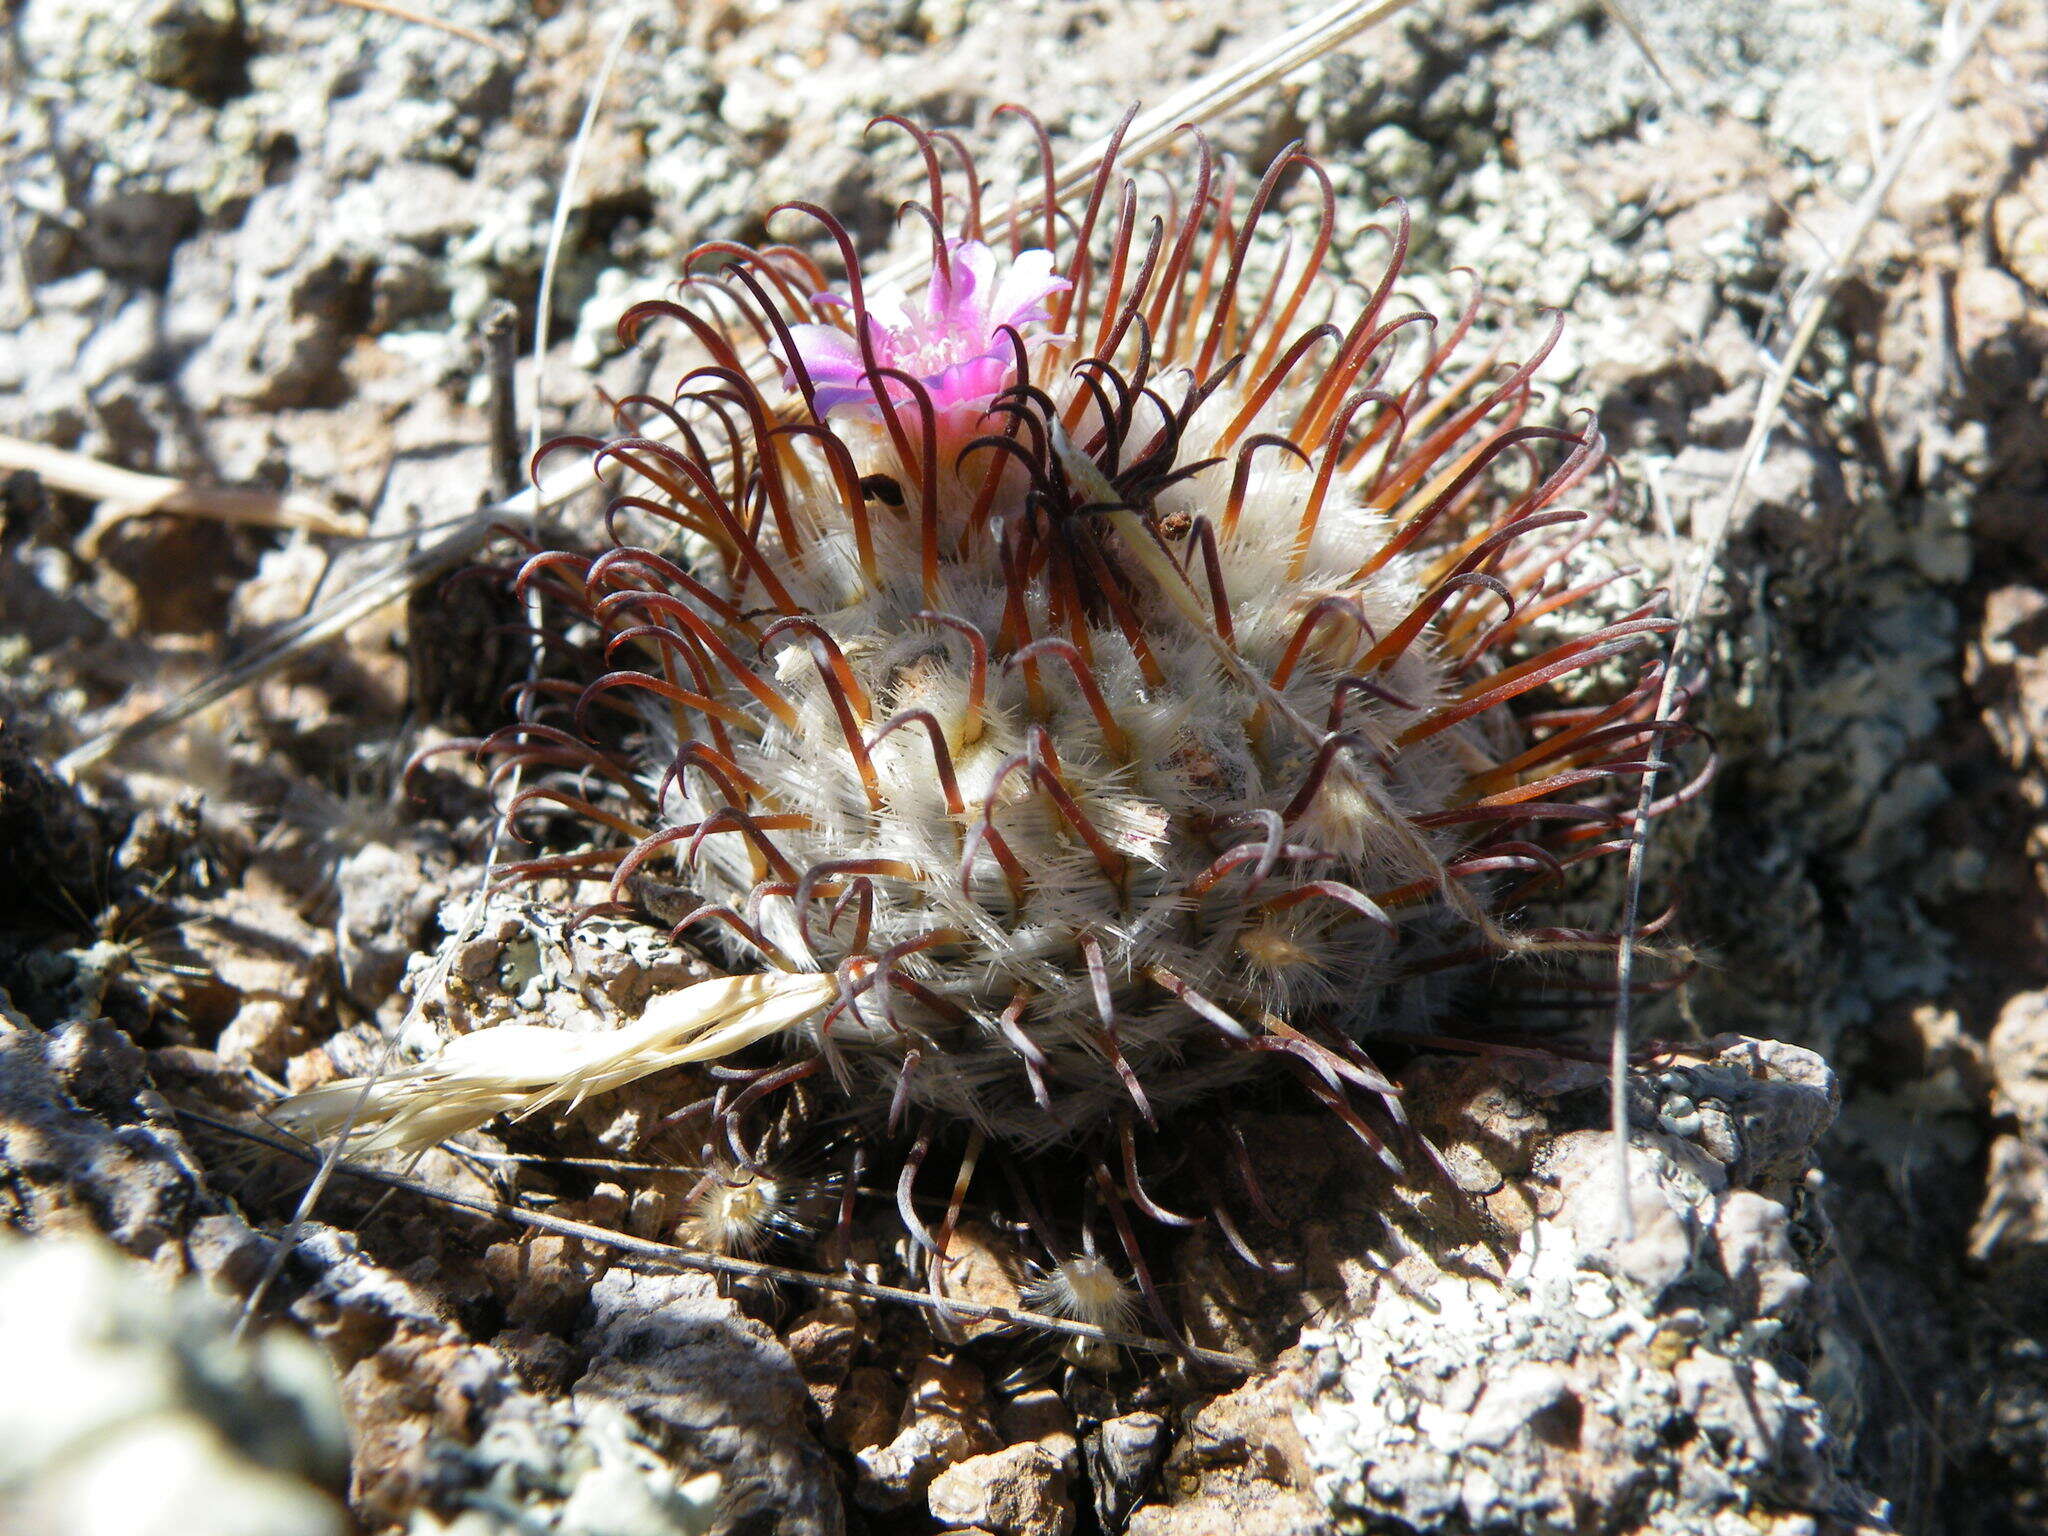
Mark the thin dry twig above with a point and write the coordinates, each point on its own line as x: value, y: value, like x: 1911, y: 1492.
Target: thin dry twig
x: 1811, y: 302
x: 421, y: 18
x: 456, y: 543
x: 558, y: 230
x: 1215, y: 93
x: 1625, y: 19
x: 127, y: 493
x: 721, y: 1264
x: 1201, y: 102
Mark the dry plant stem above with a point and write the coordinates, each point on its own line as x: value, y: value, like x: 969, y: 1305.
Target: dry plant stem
x: 1200, y: 102
x: 421, y: 18
x: 1816, y: 293
x: 1626, y: 20
x: 1216, y: 93
x: 126, y: 493
x: 571, y: 175
x: 720, y: 1264
x: 501, y: 346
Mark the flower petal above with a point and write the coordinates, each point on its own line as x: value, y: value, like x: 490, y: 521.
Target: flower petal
x: 969, y: 381
x: 828, y: 353
x: 1020, y: 297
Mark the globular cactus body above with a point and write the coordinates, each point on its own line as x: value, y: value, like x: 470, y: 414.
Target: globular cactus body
x: 1103, y: 667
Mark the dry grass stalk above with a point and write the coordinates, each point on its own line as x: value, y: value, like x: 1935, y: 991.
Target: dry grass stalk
x: 421, y: 18
x: 128, y: 493
x: 723, y: 1264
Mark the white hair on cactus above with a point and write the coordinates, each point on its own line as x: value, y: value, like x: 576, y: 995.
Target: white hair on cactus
x: 740, y: 1211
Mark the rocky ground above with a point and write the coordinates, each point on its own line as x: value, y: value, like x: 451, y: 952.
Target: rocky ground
x: 264, y: 246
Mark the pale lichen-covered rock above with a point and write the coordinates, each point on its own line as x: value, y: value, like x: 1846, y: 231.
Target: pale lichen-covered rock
x: 131, y: 1411
x: 446, y: 1430
x: 1017, y: 1491
x: 1590, y: 1364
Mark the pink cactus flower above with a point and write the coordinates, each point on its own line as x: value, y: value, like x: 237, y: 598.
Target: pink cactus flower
x: 950, y: 340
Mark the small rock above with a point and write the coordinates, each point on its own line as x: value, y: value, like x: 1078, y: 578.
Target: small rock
x: 1724, y: 1401
x: 980, y: 1268
x: 864, y: 1410
x: 822, y: 1343
x: 1754, y: 1238
x: 1515, y: 1401
x: 545, y: 1361
x: 1658, y: 1248
x: 64, y: 1168
x: 2019, y: 1060
x: 944, y: 1423
x: 543, y: 1279
x: 1125, y: 1455
x: 1783, y: 1098
x: 130, y: 1411
x: 277, y: 967
x: 422, y: 1388
x: 681, y: 1360
x: 2013, y: 1221
x: 1042, y: 1417
x: 196, y: 46
x: 388, y: 897
x: 1019, y: 1491
x: 1240, y: 1465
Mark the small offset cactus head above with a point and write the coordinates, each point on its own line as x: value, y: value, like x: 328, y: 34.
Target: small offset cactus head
x: 742, y: 1211
x: 1094, y: 682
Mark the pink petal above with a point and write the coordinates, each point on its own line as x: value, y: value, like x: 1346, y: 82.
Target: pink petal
x: 971, y: 380
x: 828, y: 353
x: 857, y: 399
x: 949, y: 337
x: 974, y: 265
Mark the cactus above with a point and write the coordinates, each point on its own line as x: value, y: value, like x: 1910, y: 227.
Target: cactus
x: 1094, y: 682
